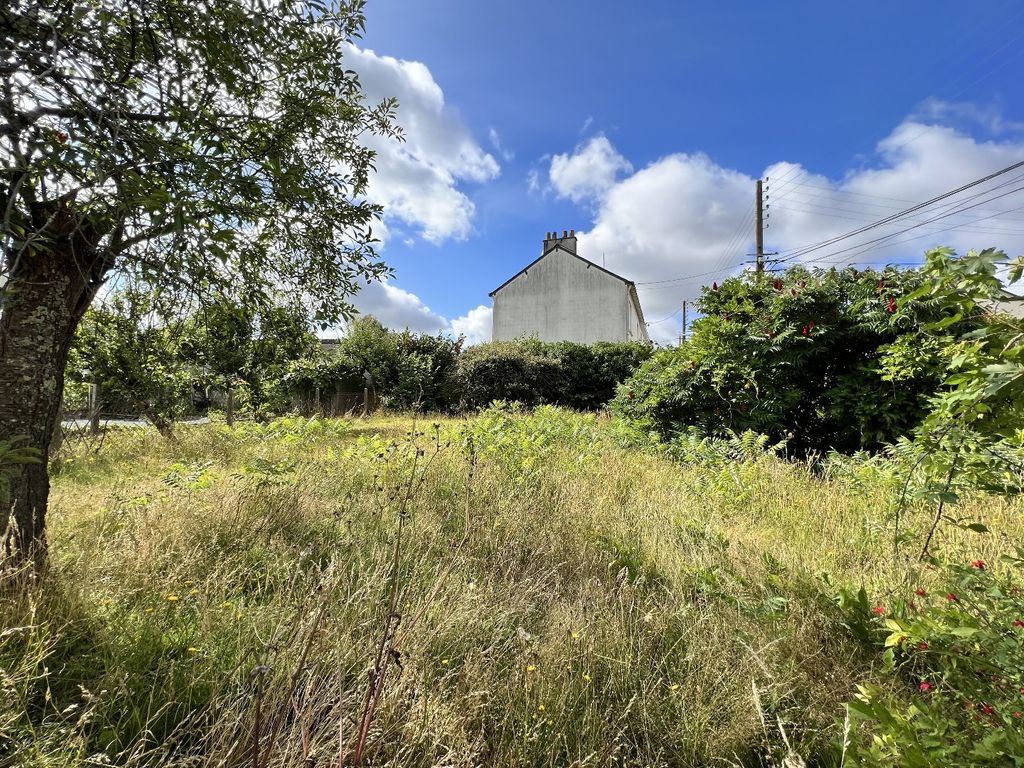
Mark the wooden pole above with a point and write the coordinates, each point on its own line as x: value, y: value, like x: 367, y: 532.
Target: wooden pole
x: 94, y: 408
x: 229, y: 414
x: 759, y: 227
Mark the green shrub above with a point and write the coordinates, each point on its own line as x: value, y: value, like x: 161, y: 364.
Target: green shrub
x: 409, y: 370
x: 827, y: 360
x: 957, y: 648
x: 532, y: 372
x: 514, y: 371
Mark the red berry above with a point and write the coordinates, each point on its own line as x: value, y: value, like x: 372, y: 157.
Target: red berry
x: 923, y: 645
x: 920, y: 592
x: 878, y: 610
x: 925, y: 686
x: 979, y: 564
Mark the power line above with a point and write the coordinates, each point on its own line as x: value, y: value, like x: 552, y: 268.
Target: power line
x: 803, y: 250
x: 924, y: 235
x: 981, y: 231
x: 664, y: 319
x: 936, y: 218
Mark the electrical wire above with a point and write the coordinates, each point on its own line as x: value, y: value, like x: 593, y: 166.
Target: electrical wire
x: 810, y: 248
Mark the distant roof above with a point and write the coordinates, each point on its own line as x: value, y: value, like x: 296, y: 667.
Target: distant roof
x: 560, y: 248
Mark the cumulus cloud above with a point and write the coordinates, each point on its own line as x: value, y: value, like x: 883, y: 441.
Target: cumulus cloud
x: 589, y: 172
x: 684, y: 220
x: 399, y: 309
x: 418, y: 180
x: 475, y: 325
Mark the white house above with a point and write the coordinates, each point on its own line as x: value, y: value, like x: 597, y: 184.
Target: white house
x: 563, y: 297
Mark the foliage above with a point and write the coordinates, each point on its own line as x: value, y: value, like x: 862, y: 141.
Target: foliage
x: 146, y: 357
x: 198, y: 164
x: 226, y: 344
x: 816, y: 358
x: 408, y: 370
x: 528, y: 371
x: 958, y: 648
x: 525, y: 442
x: 974, y: 424
x: 513, y: 371
x: 662, y: 613
x: 128, y: 349
x: 205, y: 149
x: 424, y: 376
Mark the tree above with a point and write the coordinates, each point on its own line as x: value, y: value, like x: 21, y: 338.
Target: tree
x: 227, y: 344
x: 828, y: 360
x: 126, y: 346
x: 205, y: 147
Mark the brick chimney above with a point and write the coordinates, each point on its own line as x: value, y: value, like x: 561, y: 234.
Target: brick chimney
x: 567, y: 240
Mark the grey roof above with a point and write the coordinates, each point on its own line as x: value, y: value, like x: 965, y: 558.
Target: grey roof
x: 576, y: 255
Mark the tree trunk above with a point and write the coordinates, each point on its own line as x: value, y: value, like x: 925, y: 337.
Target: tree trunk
x: 47, y: 292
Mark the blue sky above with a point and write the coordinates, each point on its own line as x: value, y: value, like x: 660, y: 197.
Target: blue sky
x: 643, y: 126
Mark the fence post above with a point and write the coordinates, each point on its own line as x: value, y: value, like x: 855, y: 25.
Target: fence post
x: 94, y: 408
x: 229, y: 414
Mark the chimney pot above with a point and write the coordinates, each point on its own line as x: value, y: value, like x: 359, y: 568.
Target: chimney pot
x: 565, y: 233
x: 572, y: 233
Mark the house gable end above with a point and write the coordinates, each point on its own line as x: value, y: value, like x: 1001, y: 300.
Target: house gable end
x: 551, y: 251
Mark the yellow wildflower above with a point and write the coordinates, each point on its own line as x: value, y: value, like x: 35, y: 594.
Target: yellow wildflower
x: 531, y: 668
x: 172, y: 598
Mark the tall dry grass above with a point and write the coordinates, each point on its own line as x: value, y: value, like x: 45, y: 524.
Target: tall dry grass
x: 513, y: 590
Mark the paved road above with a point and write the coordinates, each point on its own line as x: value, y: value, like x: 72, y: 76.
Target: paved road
x: 84, y: 423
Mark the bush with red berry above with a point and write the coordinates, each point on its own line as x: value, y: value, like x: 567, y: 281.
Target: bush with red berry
x: 829, y: 359
x: 956, y: 649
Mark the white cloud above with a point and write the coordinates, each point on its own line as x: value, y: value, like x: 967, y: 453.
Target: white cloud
x: 418, y: 180
x: 589, y: 172
x: 989, y: 117
x: 399, y: 309
x: 686, y: 216
x: 475, y: 325
x: 495, y: 138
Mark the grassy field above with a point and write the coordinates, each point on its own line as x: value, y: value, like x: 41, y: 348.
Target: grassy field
x: 509, y: 590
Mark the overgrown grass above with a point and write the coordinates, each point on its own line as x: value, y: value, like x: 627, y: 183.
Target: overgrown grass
x: 559, y: 598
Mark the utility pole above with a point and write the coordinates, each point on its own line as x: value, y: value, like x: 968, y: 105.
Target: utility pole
x: 759, y: 227
x: 682, y: 333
